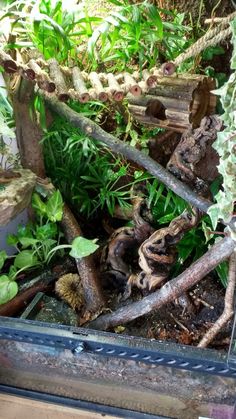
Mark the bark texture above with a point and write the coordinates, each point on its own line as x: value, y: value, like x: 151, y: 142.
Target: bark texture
x: 28, y: 131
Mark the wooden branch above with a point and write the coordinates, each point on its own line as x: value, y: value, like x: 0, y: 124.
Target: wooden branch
x: 171, y: 290
x: 42, y: 78
x: 97, y: 85
x: 132, y: 85
x: 79, y: 85
x: 26, y: 72
x: 229, y: 306
x: 117, y: 93
x: 9, y: 65
x: 58, y: 79
x: 86, y: 269
x: 150, y: 79
x: 20, y: 302
x: 28, y: 131
x: 130, y: 153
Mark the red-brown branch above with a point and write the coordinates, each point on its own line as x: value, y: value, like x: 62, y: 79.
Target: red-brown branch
x: 92, y: 288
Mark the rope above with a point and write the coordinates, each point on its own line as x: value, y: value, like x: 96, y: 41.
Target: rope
x: 201, y: 45
x: 212, y: 37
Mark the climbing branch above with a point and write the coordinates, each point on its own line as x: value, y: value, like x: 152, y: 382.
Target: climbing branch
x: 86, y: 269
x: 229, y: 306
x: 171, y: 290
x: 130, y: 153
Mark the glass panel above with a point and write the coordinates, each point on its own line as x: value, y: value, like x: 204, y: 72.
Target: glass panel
x: 117, y: 382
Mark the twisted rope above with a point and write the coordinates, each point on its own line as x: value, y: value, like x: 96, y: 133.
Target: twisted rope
x: 212, y: 37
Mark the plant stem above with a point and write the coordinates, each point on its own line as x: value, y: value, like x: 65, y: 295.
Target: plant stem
x: 171, y: 290
x: 131, y: 153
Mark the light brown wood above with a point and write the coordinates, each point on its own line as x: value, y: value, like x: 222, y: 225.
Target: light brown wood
x: 13, y: 407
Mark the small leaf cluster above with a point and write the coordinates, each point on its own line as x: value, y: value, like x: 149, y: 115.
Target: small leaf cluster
x: 37, y: 243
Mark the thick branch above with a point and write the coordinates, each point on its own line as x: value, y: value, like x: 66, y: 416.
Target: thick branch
x: 131, y: 153
x: 229, y: 306
x: 28, y: 131
x: 171, y: 290
x: 86, y: 269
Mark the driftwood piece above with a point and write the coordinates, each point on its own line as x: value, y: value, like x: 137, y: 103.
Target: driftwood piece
x: 79, y: 85
x: 229, y: 305
x: 57, y: 77
x: 157, y: 254
x: 116, y: 91
x: 171, y: 290
x: 98, y: 87
x: 88, y: 274
x: 42, y: 78
x: 131, y: 153
x: 192, y: 148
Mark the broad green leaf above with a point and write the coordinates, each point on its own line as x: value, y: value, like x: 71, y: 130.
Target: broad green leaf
x: 25, y: 259
x: 46, y: 231
x: 28, y: 241
x: 3, y: 257
x: 12, y: 272
x: 38, y: 205
x: 8, y: 289
x: 12, y: 240
x: 54, y: 207
x: 82, y: 247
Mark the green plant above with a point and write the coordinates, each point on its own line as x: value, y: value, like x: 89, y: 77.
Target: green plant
x: 48, y: 26
x: 136, y: 34
x: 88, y: 174
x: 37, y: 243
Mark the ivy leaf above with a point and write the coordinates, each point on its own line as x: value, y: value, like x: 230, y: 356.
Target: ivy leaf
x: 54, y: 207
x: 8, y: 289
x: 3, y: 257
x: 25, y: 259
x: 213, y: 212
x: 82, y: 247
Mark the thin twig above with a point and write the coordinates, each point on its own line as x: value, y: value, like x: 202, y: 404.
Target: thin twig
x: 229, y: 305
x: 181, y: 325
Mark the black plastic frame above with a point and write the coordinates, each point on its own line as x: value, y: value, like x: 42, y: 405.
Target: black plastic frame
x: 109, y: 344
